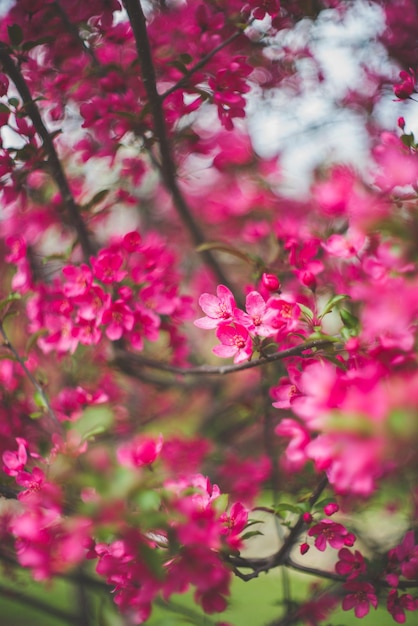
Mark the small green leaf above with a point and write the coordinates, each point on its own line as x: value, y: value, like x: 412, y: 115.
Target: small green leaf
x: 307, y: 312
x: 15, y: 34
x: 349, y: 320
x: 331, y: 304
x: 251, y: 533
x: 4, y: 108
x: 14, y: 102
x: 39, y: 399
x: 288, y: 508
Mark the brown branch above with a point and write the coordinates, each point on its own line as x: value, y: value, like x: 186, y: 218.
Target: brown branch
x: 56, y: 169
x: 183, y: 81
x: 73, y: 30
x: 168, y: 169
x: 281, y: 556
x: 125, y: 359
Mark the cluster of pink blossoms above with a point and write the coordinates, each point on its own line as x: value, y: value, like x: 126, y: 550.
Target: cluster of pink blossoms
x: 237, y: 330
x: 127, y: 292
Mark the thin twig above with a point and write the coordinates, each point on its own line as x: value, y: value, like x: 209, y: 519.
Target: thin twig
x: 168, y: 169
x: 7, y: 344
x: 203, y: 61
x: 281, y: 556
x: 123, y: 357
x: 56, y: 169
x: 73, y: 30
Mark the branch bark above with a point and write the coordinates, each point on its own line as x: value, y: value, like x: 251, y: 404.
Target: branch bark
x: 168, y: 169
x: 127, y: 360
x: 56, y: 169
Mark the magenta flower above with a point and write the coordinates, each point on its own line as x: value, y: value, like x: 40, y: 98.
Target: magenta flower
x: 406, y: 88
x: 107, y: 267
x: 118, y: 318
x: 235, y: 341
x: 332, y: 533
x: 79, y: 280
x: 218, y: 309
x: 262, y: 7
x: 350, y: 565
x: 140, y: 451
x: 361, y: 596
x: 397, y: 605
x: 260, y: 318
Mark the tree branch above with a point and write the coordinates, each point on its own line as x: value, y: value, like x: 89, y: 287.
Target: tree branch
x: 168, y: 170
x: 7, y: 344
x: 183, y: 81
x: 56, y: 169
x: 281, y: 556
x: 125, y: 359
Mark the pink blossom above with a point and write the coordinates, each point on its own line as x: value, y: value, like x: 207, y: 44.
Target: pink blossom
x: 218, y: 309
x: 140, y: 451
x: 118, y: 318
x: 332, y: 533
x: 361, y: 596
x: 396, y: 605
x: 350, y: 564
x: 235, y: 341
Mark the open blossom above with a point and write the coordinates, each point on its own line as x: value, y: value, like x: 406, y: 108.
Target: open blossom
x: 350, y: 564
x: 261, y: 316
x: 218, y: 309
x: 396, y: 605
x: 331, y: 533
x: 235, y: 341
x: 359, y: 598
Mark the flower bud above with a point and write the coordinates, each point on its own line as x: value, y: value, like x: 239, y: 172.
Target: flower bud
x: 331, y: 508
x: 270, y: 282
x: 401, y: 122
x: 307, y: 518
x: 304, y: 548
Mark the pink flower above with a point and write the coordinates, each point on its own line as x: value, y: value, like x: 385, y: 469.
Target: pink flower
x: 332, y: 533
x: 261, y: 8
x: 235, y: 341
x: 106, y: 267
x: 118, y: 318
x: 79, y: 280
x: 406, y: 88
x: 218, y: 309
x: 139, y: 452
x: 350, y: 565
x: 261, y: 316
x: 14, y: 462
x: 361, y: 596
x: 396, y: 605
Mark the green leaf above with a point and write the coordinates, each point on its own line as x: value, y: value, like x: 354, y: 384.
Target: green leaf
x: 307, y: 312
x: 14, y: 102
x: 39, y: 399
x: 15, y: 34
x: 331, y: 304
x: 251, y: 533
x: 349, y: 320
x: 96, y: 199
x: 288, y: 508
x: 4, y: 108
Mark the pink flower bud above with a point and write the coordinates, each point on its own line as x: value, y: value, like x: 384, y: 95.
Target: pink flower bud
x: 331, y: 508
x: 401, y: 123
x: 270, y: 282
x: 304, y: 548
x: 307, y: 518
